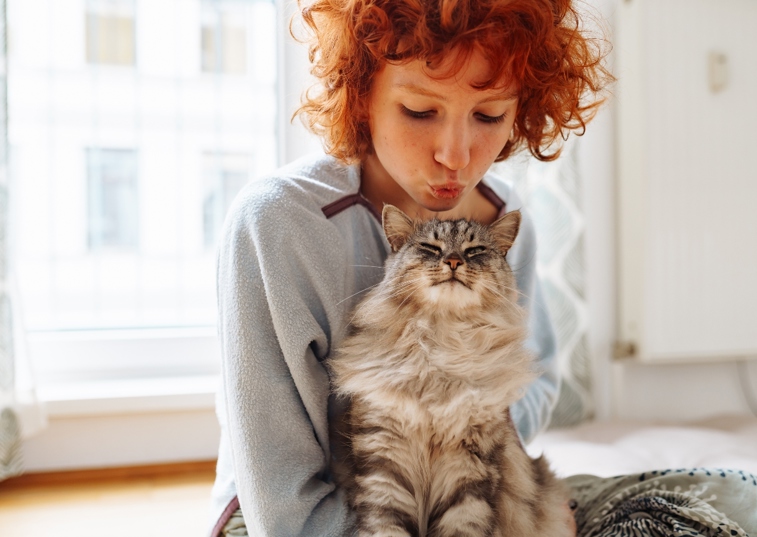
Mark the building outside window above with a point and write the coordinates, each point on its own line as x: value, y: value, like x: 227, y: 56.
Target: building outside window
x: 113, y: 210
x: 122, y: 177
x: 223, y: 37
x: 110, y: 32
x: 224, y: 176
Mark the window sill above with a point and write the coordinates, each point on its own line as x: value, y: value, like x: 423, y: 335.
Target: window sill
x: 129, y: 396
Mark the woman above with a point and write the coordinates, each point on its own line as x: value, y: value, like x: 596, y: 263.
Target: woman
x: 416, y: 99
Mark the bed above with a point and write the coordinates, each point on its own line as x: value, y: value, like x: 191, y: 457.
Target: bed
x: 608, y: 448
x: 656, y: 496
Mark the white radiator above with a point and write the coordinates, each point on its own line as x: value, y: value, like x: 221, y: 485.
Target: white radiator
x: 687, y: 193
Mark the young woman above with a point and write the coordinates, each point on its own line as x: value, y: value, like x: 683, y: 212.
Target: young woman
x: 416, y: 100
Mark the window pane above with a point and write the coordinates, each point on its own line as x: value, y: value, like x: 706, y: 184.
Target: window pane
x: 122, y: 177
x: 110, y: 32
x: 113, y: 210
x: 224, y: 176
x: 224, y: 38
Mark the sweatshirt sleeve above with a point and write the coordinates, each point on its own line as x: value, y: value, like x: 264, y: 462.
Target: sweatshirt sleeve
x: 531, y: 414
x: 279, y: 268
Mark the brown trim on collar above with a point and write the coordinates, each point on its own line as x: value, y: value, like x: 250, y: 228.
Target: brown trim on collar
x: 336, y: 207
x: 225, y: 517
x: 492, y: 198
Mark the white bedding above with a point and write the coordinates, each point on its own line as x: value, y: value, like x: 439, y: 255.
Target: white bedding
x: 611, y: 448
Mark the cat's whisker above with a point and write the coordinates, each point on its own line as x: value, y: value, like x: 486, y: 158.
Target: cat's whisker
x: 367, y: 308
x: 369, y: 266
x: 495, y: 291
x: 355, y: 294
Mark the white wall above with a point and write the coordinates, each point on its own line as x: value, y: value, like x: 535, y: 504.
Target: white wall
x: 626, y: 389
x: 69, y: 443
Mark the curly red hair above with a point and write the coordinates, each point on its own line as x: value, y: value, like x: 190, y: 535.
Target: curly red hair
x: 539, y: 46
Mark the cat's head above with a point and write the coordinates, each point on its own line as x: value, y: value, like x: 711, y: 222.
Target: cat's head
x: 450, y: 264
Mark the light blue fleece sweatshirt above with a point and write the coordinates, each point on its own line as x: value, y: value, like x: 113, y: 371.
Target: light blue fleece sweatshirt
x: 298, y: 250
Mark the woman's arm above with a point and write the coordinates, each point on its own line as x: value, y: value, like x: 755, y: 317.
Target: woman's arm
x: 278, y: 270
x: 532, y: 413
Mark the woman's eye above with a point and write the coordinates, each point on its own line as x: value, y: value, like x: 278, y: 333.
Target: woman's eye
x: 474, y: 251
x: 417, y: 114
x: 491, y: 119
x: 430, y: 248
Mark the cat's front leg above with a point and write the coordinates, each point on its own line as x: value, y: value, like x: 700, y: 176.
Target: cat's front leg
x: 385, y: 508
x: 470, y: 516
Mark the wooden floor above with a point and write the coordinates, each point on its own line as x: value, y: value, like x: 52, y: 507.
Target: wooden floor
x: 165, y: 501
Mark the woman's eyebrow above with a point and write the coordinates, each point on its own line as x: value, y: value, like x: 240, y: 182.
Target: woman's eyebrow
x: 412, y: 88
x: 505, y: 96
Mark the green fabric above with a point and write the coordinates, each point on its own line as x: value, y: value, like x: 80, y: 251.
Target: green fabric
x: 666, y: 503
x: 235, y: 526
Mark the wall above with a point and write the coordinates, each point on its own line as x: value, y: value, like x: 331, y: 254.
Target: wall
x: 132, y: 439
x: 627, y: 389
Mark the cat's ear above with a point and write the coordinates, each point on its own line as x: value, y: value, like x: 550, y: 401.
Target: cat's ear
x: 397, y: 226
x: 504, y: 230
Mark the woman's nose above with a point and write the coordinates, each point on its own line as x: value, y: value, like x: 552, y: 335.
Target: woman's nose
x: 453, y: 146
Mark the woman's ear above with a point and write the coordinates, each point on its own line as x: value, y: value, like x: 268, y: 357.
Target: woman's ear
x: 397, y: 226
x: 505, y: 230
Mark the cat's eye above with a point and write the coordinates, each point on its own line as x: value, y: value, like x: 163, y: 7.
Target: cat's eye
x: 474, y: 251
x: 430, y: 248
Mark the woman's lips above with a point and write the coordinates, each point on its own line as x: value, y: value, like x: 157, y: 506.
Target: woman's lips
x: 447, y: 192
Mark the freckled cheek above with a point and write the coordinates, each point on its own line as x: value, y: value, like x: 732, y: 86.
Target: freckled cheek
x: 489, y: 144
x: 410, y: 141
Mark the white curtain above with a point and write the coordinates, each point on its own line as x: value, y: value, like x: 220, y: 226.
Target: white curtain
x: 10, y: 428
x: 20, y: 411
x: 550, y: 192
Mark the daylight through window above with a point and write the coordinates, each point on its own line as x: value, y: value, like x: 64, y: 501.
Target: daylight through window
x: 133, y: 125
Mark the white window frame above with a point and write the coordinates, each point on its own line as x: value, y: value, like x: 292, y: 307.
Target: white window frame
x: 162, y: 367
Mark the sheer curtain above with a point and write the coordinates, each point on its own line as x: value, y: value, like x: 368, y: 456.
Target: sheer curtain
x: 20, y: 412
x: 550, y: 192
x: 10, y: 429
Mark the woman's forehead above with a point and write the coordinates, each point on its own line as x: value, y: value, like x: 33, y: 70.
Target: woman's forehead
x: 417, y: 77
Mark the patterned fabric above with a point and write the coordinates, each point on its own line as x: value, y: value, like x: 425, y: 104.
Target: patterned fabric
x: 699, y: 502
x: 10, y: 450
x: 682, y: 502
x: 551, y: 193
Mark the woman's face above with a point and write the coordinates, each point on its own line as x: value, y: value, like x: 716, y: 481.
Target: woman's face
x: 433, y: 139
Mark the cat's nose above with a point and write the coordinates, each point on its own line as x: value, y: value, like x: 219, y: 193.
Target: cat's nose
x: 453, y: 261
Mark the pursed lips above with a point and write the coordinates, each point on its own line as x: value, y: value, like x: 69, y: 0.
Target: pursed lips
x: 448, y: 190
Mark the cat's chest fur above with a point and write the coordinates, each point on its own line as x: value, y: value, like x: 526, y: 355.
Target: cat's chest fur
x: 442, y: 382
x: 447, y: 419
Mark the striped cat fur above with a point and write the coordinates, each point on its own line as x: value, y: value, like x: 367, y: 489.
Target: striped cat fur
x: 434, y: 359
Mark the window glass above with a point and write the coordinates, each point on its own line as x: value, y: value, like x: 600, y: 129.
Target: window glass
x: 113, y: 212
x: 223, y: 38
x: 224, y: 176
x: 121, y: 178
x: 110, y: 31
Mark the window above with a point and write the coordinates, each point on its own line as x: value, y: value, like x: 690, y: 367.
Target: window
x: 224, y: 176
x: 110, y: 32
x: 122, y: 177
x: 223, y: 37
x: 112, y: 186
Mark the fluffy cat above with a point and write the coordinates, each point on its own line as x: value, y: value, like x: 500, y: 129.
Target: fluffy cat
x: 433, y: 362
